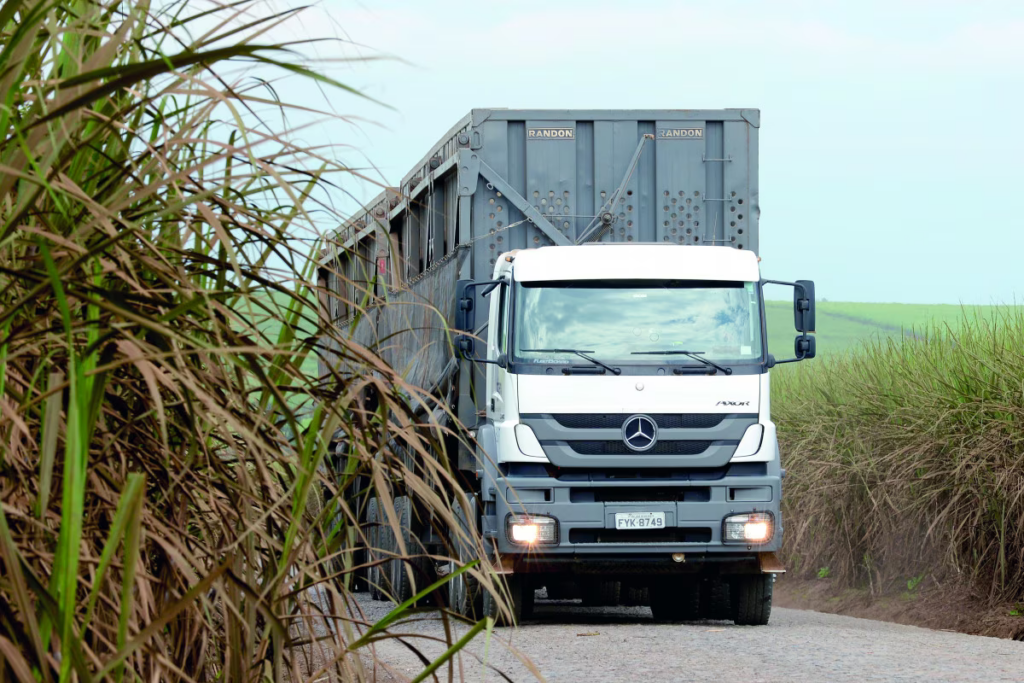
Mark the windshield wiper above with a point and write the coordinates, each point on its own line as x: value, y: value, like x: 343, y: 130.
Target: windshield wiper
x: 581, y: 354
x: 696, y: 355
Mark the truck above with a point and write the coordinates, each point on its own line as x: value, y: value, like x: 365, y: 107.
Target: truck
x: 582, y: 288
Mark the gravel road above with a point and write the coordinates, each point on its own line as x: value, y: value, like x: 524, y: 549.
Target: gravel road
x: 567, y: 642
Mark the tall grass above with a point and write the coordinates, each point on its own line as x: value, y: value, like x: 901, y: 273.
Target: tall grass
x: 159, y: 452
x: 906, y: 459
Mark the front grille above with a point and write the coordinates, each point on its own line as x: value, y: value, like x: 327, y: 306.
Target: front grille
x: 615, y: 420
x: 677, y: 535
x: 620, y: 448
x: 641, y: 494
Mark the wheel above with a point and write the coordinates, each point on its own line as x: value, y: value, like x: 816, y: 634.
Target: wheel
x: 676, y: 599
x: 463, y: 591
x: 752, y: 599
x: 520, y: 592
x: 715, y: 600
x: 351, y: 567
x: 416, y: 572
x: 601, y: 593
x: 388, y: 549
x: 360, y: 556
x: 358, y: 571
x: 373, y: 539
x: 358, y: 574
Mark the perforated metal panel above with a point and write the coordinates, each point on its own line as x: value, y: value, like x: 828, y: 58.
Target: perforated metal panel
x: 551, y: 176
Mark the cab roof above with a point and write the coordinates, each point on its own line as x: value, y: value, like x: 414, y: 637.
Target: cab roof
x: 634, y: 262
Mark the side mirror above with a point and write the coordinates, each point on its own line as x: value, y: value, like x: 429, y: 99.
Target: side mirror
x: 804, y: 347
x: 465, y: 305
x: 803, y: 319
x: 465, y: 318
x: 803, y: 306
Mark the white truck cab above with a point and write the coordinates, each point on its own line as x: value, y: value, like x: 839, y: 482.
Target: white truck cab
x: 628, y: 428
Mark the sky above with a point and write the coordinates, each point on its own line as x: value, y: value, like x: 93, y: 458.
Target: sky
x: 890, y: 150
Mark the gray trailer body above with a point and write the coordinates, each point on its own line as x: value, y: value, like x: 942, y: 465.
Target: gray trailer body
x: 505, y: 179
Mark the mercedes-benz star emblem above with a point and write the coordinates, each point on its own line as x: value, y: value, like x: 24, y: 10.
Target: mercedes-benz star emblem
x: 639, y: 433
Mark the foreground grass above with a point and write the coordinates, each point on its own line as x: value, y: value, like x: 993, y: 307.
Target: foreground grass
x: 174, y: 482
x: 905, y: 461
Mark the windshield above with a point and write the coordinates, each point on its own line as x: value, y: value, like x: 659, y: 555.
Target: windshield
x: 613, y: 321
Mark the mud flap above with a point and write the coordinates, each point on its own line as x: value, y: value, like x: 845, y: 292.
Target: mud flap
x: 771, y: 564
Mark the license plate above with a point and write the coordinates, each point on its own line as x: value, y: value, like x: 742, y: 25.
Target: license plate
x: 639, y: 520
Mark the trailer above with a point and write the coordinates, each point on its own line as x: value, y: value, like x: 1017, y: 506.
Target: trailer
x: 612, y: 459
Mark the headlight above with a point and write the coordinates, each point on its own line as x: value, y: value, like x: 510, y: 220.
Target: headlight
x: 753, y: 528
x: 751, y: 441
x: 532, y: 530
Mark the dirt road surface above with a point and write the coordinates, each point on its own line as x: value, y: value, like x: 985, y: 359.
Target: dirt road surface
x: 567, y: 642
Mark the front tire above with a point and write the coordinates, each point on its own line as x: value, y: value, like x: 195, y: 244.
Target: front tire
x: 463, y: 591
x: 752, y: 599
x: 373, y: 538
x: 520, y: 592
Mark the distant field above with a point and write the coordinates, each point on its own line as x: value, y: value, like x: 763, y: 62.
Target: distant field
x: 844, y: 326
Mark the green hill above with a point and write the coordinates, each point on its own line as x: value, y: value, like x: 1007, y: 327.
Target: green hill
x: 843, y: 326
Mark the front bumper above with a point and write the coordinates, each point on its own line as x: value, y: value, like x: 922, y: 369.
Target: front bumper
x: 585, y: 507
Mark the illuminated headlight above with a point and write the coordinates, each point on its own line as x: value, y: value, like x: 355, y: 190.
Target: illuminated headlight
x: 752, y: 528
x: 751, y: 441
x: 532, y: 530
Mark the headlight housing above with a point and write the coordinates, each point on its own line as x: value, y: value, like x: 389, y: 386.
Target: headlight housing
x: 752, y: 528
x: 527, y: 441
x: 750, y: 444
x: 531, y: 530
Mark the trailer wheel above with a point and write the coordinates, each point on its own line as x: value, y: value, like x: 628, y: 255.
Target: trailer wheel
x: 402, y: 586
x: 463, y: 591
x: 373, y: 536
x: 519, y: 590
x: 752, y: 599
x: 715, y: 599
x: 416, y: 571
x: 675, y: 599
x: 358, y: 571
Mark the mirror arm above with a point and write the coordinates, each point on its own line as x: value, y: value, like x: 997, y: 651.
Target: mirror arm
x: 492, y: 285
